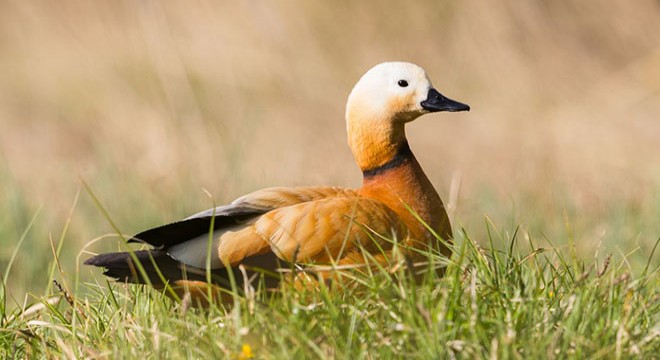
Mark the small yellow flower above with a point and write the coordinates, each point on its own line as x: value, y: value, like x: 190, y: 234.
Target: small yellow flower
x: 246, y: 352
x: 551, y: 293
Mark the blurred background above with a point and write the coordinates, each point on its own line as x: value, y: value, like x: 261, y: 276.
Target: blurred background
x: 151, y: 103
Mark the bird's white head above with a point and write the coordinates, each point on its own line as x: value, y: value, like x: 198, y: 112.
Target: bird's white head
x: 386, y: 97
x: 396, y: 92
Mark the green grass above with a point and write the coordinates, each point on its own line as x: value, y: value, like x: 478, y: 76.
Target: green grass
x: 516, y: 300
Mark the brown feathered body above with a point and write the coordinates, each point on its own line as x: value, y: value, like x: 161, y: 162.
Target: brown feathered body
x: 277, y: 227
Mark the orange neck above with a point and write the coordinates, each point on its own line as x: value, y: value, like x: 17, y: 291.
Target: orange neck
x: 375, y: 141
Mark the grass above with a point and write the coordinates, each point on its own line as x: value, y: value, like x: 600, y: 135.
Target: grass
x: 520, y: 301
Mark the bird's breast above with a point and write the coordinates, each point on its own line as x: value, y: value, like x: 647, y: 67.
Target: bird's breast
x: 407, y: 191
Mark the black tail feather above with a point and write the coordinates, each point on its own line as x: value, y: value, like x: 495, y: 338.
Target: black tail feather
x: 120, y: 266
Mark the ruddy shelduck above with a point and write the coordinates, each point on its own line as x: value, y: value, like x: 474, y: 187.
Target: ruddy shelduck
x: 277, y: 227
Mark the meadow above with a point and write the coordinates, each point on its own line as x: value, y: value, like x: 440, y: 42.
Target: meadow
x: 128, y: 115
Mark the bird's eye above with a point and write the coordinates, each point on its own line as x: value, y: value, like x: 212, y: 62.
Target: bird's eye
x: 402, y: 83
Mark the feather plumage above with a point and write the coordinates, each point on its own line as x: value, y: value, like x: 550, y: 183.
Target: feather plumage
x: 276, y: 227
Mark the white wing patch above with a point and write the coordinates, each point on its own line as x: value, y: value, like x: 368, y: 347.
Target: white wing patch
x: 194, y: 252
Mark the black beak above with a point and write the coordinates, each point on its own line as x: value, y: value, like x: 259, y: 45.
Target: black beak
x: 437, y: 102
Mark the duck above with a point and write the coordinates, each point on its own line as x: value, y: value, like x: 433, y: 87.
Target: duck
x: 281, y: 227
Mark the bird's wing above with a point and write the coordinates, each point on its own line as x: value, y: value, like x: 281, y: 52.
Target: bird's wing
x: 314, y: 231
x: 321, y: 229
x: 238, y: 212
